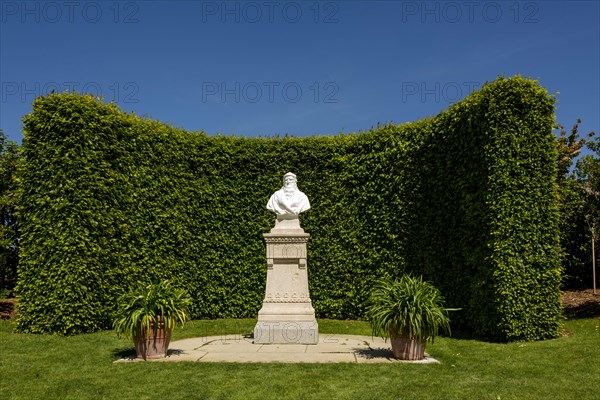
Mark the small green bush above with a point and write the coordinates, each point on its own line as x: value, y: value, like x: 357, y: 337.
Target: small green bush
x: 408, y: 306
x: 147, y: 305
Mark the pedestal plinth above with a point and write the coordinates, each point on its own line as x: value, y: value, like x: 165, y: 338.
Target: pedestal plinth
x: 287, y: 315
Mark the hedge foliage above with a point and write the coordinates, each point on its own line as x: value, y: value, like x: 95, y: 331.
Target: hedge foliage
x: 9, y: 234
x: 466, y: 198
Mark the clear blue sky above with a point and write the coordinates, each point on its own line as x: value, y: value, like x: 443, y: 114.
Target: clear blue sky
x: 301, y: 67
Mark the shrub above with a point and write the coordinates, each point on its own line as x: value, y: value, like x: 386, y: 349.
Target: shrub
x: 408, y: 306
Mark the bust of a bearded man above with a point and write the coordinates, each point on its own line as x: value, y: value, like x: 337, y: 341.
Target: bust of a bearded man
x: 288, y: 201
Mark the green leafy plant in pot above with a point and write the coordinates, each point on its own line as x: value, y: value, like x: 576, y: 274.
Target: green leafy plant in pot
x: 409, y: 311
x: 149, y: 313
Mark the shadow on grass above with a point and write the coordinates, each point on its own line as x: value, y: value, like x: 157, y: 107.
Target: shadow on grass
x: 375, y: 353
x: 465, y: 334
x: 128, y: 353
x: 124, y: 352
x: 589, y: 309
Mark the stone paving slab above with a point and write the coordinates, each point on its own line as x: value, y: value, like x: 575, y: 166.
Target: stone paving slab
x: 283, y: 348
x: 241, y: 349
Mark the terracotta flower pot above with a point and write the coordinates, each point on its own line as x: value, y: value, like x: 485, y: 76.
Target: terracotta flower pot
x: 153, y: 343
x: 406, y: 348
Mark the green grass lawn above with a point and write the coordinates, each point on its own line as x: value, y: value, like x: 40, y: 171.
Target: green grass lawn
x: 80, y: 367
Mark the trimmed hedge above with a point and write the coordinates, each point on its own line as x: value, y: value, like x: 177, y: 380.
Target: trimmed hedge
x: 487, y: 223
x: 467, y: 199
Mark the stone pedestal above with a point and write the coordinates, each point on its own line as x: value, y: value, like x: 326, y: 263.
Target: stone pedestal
x: 287, y: 315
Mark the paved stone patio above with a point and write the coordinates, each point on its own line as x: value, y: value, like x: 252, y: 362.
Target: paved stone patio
x: 240, y: 348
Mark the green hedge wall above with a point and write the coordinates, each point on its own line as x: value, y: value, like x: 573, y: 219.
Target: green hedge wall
x: 466, y: 198
x: 486, y: 229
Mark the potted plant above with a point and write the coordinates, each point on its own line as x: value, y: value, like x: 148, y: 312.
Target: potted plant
x: 148, y: 314
x: 410, y: 312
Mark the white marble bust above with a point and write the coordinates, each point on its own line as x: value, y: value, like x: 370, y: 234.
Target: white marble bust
x: 288, y: 201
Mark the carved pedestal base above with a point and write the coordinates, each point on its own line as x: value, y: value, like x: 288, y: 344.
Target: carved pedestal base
x: 287, y: 315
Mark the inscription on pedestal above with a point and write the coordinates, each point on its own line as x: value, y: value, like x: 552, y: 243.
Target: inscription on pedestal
x: 282, y: 249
